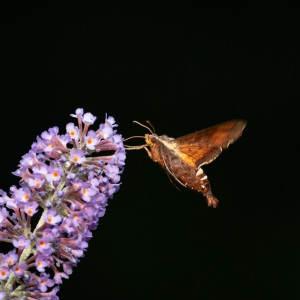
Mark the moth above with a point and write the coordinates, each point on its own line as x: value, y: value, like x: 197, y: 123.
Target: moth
x: 182, y: 158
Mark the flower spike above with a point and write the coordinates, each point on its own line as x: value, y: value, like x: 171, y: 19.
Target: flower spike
x: 66, y: 182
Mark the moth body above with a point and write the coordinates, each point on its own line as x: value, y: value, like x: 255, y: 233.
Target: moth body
x: 164, y: 151
x: 183, y: 157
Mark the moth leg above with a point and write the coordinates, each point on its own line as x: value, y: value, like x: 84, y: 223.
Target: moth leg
x: 170, y: 171
x: 149, y: 152
x: 169, y: 168
x: 205, y: 189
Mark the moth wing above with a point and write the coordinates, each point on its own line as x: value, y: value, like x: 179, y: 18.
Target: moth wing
x: 203, y: 146
x: 196, y: 156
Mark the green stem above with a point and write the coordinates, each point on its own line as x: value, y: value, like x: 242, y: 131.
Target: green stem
x: 25, y: 254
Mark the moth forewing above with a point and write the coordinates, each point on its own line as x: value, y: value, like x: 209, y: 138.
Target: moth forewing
x: 196, y: 156
x: 222, y: 134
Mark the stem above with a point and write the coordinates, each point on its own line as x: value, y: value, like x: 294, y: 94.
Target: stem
x: 12, y: 277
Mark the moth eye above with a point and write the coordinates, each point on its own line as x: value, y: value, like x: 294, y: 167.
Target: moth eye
x: 153, y: 139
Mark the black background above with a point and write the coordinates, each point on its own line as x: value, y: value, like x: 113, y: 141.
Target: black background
x: 184, y: 67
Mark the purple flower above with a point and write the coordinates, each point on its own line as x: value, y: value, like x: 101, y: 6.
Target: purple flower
x: 43, y: 262
x: 22, y: 195
x: 88, y: 191
x: 73, y: 131
x: 48, y: 135
x: 31, y: 208
x: 11, y: 258
x: 78, y: 113
x: 54, y: 173
x: 21, y: 242
x: 45, y: 282
x: 29, y: 159
x: 88, y: 118
x: 51, y: 217
x: 91, y: 140
x: 112, y: 172
x: 43, y: 246
x: 19, y: 269
x: 58, y: 277
x: 67, y: 182
x: 106, y: 130
x: 3, y: 215
x: 4, y: 272
x: 77, y: 156
x: 36, y: 181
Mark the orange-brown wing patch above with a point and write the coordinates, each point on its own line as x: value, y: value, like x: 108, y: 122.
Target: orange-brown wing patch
x: 196, y: 156
x: 219, y: 135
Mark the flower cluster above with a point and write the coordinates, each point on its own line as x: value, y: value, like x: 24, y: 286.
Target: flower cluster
x: 66, y: 182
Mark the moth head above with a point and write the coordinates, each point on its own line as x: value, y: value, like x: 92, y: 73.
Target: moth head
x: 151, y: 139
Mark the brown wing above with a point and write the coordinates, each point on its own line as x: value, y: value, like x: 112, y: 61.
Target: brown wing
x: 203, y: 146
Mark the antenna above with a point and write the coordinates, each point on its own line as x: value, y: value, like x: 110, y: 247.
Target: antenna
x: 152, y: 132
x: 147, y: 121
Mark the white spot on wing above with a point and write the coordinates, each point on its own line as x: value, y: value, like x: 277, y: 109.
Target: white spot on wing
x: 200, y: 171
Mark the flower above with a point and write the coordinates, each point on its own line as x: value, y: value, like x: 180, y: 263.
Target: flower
x: 66, y: 182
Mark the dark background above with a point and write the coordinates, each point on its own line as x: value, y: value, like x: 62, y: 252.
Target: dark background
x: 184, y: 67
